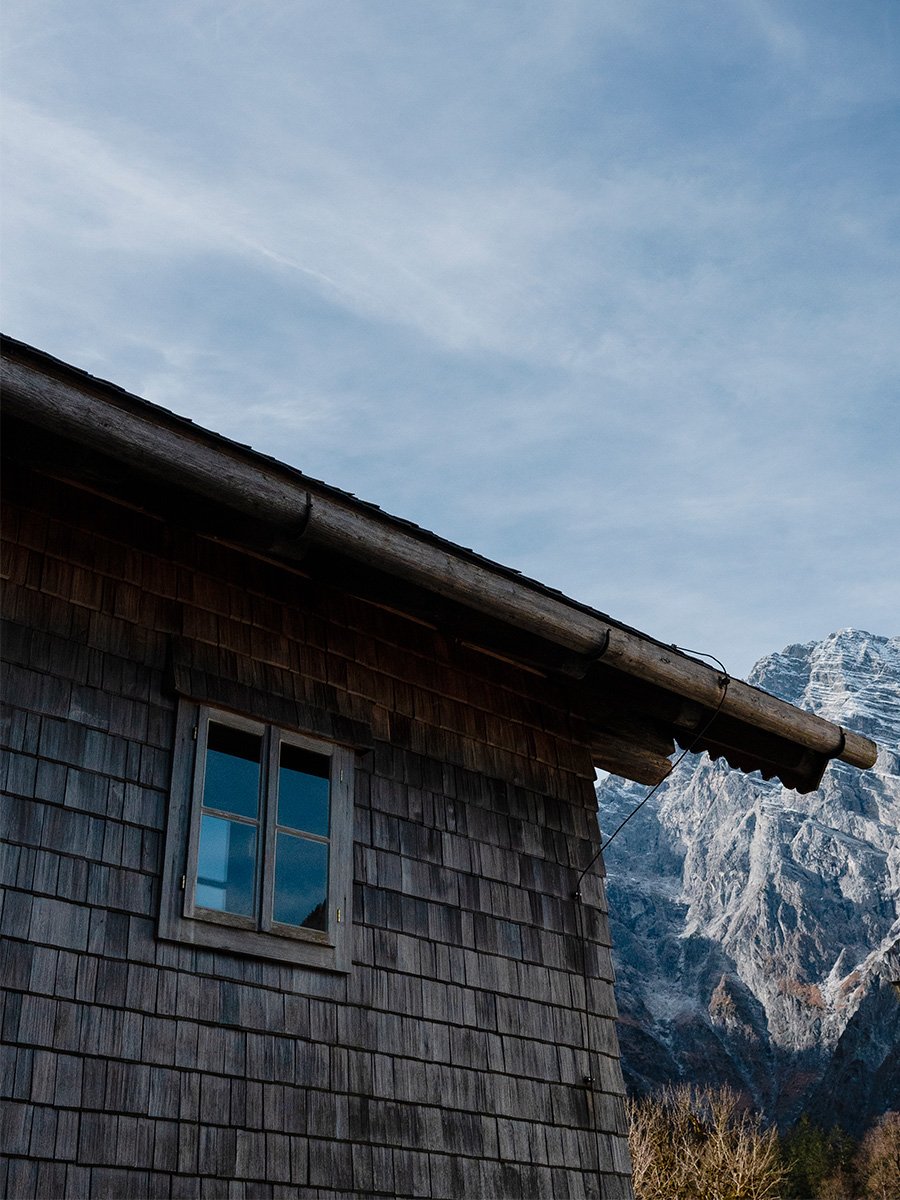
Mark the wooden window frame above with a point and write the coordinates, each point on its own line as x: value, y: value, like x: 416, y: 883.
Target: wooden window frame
x: 182, y: 920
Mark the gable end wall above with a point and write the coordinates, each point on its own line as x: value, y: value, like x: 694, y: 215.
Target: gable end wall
x: 450, y: 1060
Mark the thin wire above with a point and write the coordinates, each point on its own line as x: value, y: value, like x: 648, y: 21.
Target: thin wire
x: 580, y: 916
x: 703, y: 654
x: 725, y: 681
x: 679, y: 759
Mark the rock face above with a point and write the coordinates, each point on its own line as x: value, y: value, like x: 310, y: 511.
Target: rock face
x: 756, y: 930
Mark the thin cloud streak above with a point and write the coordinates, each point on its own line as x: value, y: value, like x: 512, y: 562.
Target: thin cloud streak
x: 606, y: 294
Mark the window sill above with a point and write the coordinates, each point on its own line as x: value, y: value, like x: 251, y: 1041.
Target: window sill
x: 308, y: 951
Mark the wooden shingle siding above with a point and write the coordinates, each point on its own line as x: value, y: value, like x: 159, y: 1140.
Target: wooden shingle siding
x: 450, y: 1061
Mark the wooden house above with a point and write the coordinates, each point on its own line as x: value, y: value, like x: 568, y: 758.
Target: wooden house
x: 301, y: 886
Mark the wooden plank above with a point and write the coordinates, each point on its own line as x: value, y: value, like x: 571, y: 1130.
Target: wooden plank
x: 626, y: 758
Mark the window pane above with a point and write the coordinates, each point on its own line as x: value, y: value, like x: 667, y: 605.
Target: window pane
x: 232, y: 770
x: 303, y: 790
x: 226, y: 865
x: 301, y: 882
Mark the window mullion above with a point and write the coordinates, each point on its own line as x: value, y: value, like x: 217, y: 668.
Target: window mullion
x: 269, y: 817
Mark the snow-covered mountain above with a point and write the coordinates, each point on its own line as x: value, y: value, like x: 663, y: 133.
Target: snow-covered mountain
x: 756, y: 930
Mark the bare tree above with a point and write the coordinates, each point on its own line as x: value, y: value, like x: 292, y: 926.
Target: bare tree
x: 878, y: 1160
x: 698, y: 1143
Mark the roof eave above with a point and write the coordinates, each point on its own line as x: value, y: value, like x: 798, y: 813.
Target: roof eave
x: 50, y: 394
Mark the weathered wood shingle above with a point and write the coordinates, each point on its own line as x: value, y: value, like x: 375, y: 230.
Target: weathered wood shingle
x: 450, y: 1061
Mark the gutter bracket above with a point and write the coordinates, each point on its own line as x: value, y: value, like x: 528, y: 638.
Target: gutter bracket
x: 578, y: 667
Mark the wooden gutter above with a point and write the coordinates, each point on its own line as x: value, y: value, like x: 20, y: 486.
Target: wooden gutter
x: 41, y: 390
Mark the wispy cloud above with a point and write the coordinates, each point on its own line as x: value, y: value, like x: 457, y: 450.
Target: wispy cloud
x: 608, y: 291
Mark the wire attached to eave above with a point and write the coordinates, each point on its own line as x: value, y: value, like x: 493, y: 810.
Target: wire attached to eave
x: 724, y: 681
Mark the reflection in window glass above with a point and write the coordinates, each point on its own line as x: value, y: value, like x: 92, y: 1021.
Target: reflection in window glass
x: 301, y: 882
x: 226, y: 866
x: 231, y: 782
x: 303, y: 790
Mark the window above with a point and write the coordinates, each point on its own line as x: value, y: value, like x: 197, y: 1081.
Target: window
x: 258, y: 853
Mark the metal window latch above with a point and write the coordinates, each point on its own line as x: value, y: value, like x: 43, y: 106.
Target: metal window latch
x: 339, y: 917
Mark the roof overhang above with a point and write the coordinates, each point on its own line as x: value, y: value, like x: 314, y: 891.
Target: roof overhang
x: 671, y: 696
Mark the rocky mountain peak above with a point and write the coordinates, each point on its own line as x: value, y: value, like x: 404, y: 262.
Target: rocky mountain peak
x: 851, y: 678
x: 754, y: 927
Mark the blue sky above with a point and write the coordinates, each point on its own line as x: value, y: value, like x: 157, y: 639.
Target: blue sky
x: 607, y: 290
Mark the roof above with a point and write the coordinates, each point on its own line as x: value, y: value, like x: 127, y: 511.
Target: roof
x: 641, y: 696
